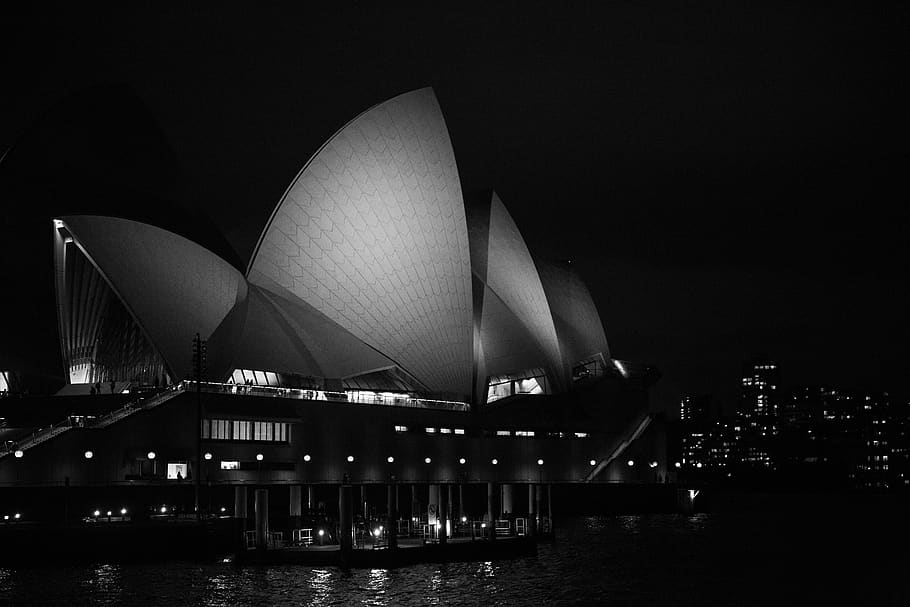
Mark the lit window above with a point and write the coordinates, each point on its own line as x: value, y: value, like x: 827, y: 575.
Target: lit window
x: 581, y: 435
x: 431, y: 430
x: 230, y: 465
x: 524, y: 433
x: 401, y: 428
x: 459, y: 430
x: 445, y: 430
x: 176, y: 470
x: 503, y: 433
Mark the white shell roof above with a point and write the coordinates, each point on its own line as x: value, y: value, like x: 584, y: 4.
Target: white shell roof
x: 172, y: 286
x: 372, y: 234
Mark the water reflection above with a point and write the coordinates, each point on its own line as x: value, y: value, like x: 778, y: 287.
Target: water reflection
x: 377, y: 584
x: 322, y: 587
x: 104, y: 585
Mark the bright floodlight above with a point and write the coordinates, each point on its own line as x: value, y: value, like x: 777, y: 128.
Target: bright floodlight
x: 89, y: 455
x: 223, y: 509
x: 464, y: 519
x: 540, y: 462
x: 259, y: 457
x: 494, y: 461
x: 593, y: 462
x: 123, y: 511
x: 678, y: 465
x: 5, y: 517
x: 108, y: 512
x: 427, y: 460
x: 163, y: 509
x: 307, y: 457
x: 97, y: 513
x: 151, y: 455
x: 207, y: 456
x: 390, y: 459
x: 350, y: 458
x: 321, y: 532
x: 653, y: 464
x: 462, y: 460
x: 18, y: 453
x: 631, y: 462
x: 17, y: 516
x: 376, y: 532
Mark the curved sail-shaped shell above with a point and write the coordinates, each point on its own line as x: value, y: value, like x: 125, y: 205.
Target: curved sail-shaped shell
x: 581, y: 332
x: 172, y: 287
x: 372, y: 235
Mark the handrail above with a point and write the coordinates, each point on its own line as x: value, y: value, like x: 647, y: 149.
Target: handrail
x: 350, y: 396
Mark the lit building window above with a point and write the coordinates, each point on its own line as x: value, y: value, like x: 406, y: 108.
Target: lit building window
x: 401, y: 428
x: 242, y: 430
x: 581, y: 435
x: 524, y: 433
x: 230, y: 465
x: 177, y: 470
x: 445, y: 430
x: 430, y: 430
x: 459, y: 430
x: 503, y: 433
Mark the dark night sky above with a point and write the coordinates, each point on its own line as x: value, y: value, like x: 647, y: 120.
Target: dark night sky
x: 729, y: 180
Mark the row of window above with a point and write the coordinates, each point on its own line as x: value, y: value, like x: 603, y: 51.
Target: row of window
x: 528, y: 433
x: 235, y: 429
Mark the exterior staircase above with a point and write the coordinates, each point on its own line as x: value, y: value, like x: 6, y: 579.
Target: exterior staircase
x: 45, y: 434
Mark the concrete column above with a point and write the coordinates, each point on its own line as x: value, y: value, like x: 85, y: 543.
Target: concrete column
x: 296, y: 492
x: 240, y: 498
x: 362, y: 506
x: 443, y: 516
x: 550, y: 505
x: 538, y: 512
x: 490, y: 515
x: 262, y: 519
x: 392, y: 519
x: 310, y: 498
x: 532, y: 509
x: 414, y: 507
x: 346, y: 519
x: 507, y: 505
x: 461, y: 513
x: 433, y: 508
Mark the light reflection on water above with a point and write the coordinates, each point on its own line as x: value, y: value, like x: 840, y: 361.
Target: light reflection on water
x: 654, y: 559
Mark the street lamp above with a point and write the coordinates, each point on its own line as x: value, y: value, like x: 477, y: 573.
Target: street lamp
x: 19, y: 453
x: 89, y: 455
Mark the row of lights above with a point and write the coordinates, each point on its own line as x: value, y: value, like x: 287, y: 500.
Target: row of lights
x: 15, y: 517
x: 259, y: 457
x: 97, y: 513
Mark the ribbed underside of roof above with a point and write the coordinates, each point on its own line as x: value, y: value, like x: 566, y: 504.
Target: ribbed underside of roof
x: 171, y: 286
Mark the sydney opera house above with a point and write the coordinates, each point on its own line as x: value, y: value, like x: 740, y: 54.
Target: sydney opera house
x: 386, y: 326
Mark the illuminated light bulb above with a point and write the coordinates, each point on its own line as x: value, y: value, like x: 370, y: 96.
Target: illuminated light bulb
x: 427, y: 460
x: 150, y: 455
x: 123, y: 511
x: 307, y: 457
x: 593, y: 462
x: 462, y: 460
x: 89, y: 455
x: 494, y: 461
x: 540, y: 462
x: 350, y: 458
x: 631, y: 462
x: 259, y: 457
x: 18, y: 453
x: 207, y: 456
x: 390, y: 459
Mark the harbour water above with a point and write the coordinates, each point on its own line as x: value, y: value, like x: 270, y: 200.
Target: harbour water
x: 753, y: 552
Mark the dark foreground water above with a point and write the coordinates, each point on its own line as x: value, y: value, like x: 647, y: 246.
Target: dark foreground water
x: 826, y: 552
